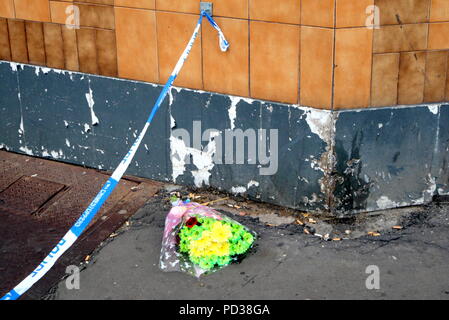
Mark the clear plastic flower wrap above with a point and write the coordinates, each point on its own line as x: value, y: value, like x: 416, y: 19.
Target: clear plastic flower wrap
x: 198, y: 240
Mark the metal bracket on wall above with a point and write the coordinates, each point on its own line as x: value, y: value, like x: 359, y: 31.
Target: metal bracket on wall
x: 206, y: 6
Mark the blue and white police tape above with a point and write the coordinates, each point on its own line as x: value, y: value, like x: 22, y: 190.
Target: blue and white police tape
x: 80, y: 225
x: 224, y: 44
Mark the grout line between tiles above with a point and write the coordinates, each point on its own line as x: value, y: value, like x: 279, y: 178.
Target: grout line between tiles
x: 9, y: 38
x: 157, y: 47
x: 299, y: 58
x: 63, y: 47
x: 249, y: 50
x: 334, y: 55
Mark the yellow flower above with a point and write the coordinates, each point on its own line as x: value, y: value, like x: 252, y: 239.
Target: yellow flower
x: 214, y: 242
x: 221, y: 232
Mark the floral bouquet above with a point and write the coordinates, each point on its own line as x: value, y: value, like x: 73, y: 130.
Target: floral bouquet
x: 198, y: 240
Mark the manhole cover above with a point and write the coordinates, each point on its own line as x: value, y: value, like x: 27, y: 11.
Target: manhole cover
x: 28, y: 194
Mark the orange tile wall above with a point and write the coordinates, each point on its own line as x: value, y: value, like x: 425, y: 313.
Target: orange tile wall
x: 316, y: 53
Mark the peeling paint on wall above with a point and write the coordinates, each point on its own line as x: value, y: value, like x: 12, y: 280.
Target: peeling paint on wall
x: 232, y: 111
x: 349, y: 160
x: 320, y: 123
x: 253, y: 183
x: 203, y: 160
x: 434, y: 108
x: 385, y: 203
x: 238, y: 190
x: 91, y: 102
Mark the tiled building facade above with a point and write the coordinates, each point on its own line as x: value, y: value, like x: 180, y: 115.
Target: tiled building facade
x: 317, y: 53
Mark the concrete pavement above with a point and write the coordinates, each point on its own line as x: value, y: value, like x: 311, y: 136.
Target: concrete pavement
x: 286, y: 264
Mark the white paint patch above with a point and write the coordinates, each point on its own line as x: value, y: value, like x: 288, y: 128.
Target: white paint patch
x: 380, y: 125
x: 233, y: 111
x: 179, y: 152
x: 418, y: 201
x: 22, y: 128
x: 385, y: 203
x: 44, y: 70
x: 203, y: 160
x: 67, y: 143
x: 27, y: 150
x: 253, y: 183
x: 91, y: 102
x: 170, y: 96
x: 86, y: 128
x: 56, y: 154
x: 13, y: 66
x: 238, y: 189
x: 430, y: 192
x: 320, y: 122
x: 66, y: 124
x: 435, y: 108
x: 172, y: 122
x: 315, y: 165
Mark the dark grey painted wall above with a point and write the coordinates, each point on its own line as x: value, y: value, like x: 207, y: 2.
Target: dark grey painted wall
x: 391, y: 157
x: 342, y: 162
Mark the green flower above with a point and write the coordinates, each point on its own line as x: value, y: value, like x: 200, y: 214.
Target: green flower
x: 184, y: 245
x: 239, y: 248
x: 206, y: 265
x: 223, y: 261
x: 248, y: 237
x: 195, y: 260
x: 237, y: 228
